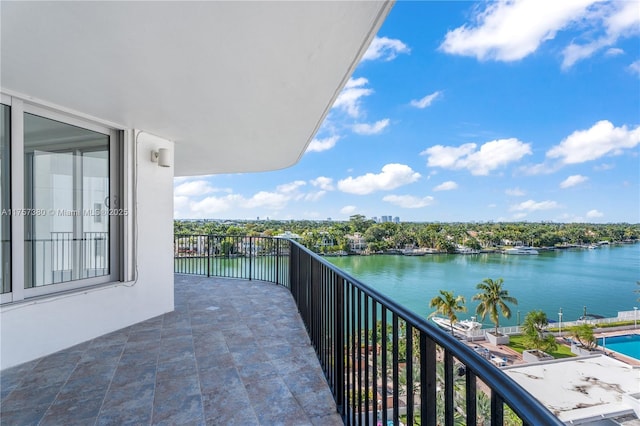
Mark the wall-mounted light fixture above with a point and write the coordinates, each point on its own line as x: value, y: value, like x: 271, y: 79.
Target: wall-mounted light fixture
x: 161, y: 156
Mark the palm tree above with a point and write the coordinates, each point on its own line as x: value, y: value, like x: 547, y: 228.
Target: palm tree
x: 448, y: 305
x: 492, y: 298
x: 583, y: 333
x: 534, y: 326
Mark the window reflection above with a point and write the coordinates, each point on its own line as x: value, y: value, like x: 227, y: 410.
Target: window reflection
x: 66, y: 194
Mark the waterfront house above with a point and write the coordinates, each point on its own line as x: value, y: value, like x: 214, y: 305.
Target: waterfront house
x: 357, y: 243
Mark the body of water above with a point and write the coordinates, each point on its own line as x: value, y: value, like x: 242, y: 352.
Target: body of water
x: 603, y: 280
x: 628, y: 345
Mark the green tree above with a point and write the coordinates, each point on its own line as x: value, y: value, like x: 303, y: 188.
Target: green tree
x: 448, y: 305
x: 583, y: 333
x: 535, y: 324
x: 493, y: 300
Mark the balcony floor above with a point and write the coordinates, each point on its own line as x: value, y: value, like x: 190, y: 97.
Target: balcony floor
x: 232, y: 352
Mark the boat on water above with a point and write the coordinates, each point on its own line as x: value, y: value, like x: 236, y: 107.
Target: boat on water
x: 336, y: 253
x: 466, y: 250
x: 524, y: 250
x: 464, y: 326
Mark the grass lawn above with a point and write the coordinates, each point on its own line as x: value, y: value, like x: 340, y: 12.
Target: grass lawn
x: 563, y: 351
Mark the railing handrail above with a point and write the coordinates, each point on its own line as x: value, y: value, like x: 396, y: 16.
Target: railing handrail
x: 521, y: 401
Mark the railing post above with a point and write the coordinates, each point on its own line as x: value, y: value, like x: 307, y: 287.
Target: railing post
x: 427, y: 380
x: 208, y: 257
x: 449, y: 409
x: 338, y: 345
x: 250, y: 255
x: 277, y: 261
x: 497, y: 409
x: 471, y: 398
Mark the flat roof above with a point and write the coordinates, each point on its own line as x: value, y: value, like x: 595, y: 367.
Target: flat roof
x: 579, y: 388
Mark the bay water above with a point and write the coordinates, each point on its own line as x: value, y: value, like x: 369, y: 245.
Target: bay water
x: 602, y: 280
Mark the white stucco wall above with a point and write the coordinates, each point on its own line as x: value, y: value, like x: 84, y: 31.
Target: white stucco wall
x: 34, y: 328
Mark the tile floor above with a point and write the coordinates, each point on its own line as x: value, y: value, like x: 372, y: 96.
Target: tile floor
x: 232, y: 352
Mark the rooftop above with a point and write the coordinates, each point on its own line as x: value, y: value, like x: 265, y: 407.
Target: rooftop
x: 232, y: 352
x: 578, y: 389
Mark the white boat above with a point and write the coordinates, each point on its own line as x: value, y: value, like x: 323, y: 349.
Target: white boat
x: 464, y: 326
x: 466, y: 250
x: 521, y: 250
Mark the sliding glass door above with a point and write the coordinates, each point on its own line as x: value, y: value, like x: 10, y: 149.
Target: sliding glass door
x: 67, y: 191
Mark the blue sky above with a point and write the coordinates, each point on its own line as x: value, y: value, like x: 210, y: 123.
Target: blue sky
x: 467, y: 111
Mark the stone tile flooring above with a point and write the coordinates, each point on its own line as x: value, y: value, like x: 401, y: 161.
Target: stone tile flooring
x: 232, y: 352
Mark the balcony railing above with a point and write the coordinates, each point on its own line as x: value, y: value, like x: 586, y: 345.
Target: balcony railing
x: 65, y: 256
x: 382, y: 362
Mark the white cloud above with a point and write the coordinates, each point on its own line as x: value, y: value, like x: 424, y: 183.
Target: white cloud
x: 617, y: 19
x: 634, y: 67
x: 371, y: 129
x: 323, y: 182
x: 391, y: 177
x: 511, y: 30
x: 490, y: 156
x: 600, y: 140
x: 186, y: 207
x: 349, y: 99
x: 446, y: 186
x: 515, y: 192
x: 266, y: 199
x: 319, y: 145
x: 314, y: 196
x: 614, y: 51
x: 356, y: 82
x: 180, y: 204
x: 385, y: 48
x: 193, y: 188
x: 447, y: 157
x: 573, y: 180
x: 426, y: 101
x: 292, y: 187
x: 348, y: 210
x: 591, y: 214
x: 539, y: 169
x: 408, y: 201
x: 531, y: 205
x: 602, y: 167
x: 212, y: 205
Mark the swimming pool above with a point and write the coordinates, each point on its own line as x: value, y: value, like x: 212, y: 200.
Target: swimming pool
x: 628, y: 345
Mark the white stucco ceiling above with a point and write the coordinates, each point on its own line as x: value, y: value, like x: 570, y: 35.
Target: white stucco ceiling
x: 239, y: 86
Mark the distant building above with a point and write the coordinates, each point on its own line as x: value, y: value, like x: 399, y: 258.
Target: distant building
x: 357, y: 243
x: 396, y: 219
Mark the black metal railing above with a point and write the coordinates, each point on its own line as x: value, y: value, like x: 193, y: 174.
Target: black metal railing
x: 252, y: 258
x: 67, y: 256
x: 382, y: 362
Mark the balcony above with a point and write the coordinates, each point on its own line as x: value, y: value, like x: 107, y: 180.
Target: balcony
x: 232, y: 352
x: 266, y: 332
